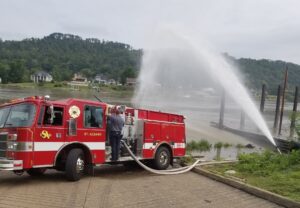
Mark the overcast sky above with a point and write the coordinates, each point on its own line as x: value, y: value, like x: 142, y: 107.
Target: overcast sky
x: 243, y: 28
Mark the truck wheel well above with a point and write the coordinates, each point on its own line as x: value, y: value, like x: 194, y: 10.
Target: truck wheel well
x: 63, y: 153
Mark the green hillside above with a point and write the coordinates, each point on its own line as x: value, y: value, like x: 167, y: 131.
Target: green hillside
x: 62, y: 55
x: 258, y: 72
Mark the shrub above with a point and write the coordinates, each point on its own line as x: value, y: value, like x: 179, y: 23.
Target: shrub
x: 188, y: 159
x: 202, y: 145
x: 226, y: 145
x: 264, y: 164
x: 218, y: 145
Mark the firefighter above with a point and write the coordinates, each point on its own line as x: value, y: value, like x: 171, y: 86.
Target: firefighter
x: 115, y: 134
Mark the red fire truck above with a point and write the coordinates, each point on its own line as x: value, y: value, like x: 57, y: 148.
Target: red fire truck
x: 71, y: 135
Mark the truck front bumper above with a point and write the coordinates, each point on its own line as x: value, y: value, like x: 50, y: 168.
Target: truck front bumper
x: 6, y: 164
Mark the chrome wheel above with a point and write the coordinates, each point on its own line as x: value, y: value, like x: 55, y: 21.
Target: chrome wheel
x: 163, y: 158
x: 79, y: 165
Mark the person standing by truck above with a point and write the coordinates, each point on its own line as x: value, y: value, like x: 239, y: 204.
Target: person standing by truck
x: 115, y: 135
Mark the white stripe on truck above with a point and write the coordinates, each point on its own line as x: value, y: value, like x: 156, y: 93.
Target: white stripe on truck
x: 55, y: 146
x: 175, y: 146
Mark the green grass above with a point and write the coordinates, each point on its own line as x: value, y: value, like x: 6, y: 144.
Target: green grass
x: 268, y: 170
x: 202, y: 146
x: 112, y: 90
x: 34, y: 85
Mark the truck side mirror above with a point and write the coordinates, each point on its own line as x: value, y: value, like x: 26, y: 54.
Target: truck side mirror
x: 72, y: 130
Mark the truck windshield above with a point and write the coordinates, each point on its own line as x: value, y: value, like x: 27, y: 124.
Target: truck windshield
x: 21, y: 115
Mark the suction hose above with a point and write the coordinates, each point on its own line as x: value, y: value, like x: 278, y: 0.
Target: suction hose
x: 171, y: 171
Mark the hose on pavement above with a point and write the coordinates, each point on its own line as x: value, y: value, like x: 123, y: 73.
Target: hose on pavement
x: 171, y: 171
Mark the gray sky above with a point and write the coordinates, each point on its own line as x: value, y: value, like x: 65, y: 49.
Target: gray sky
x: 243, y: 28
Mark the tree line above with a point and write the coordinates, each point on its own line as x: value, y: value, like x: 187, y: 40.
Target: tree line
x: 255, y: 73
x: 62, y: 55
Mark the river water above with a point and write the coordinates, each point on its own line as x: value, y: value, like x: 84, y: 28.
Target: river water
x: 198, y: 112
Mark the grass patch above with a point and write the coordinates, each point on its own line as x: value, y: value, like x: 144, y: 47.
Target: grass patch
x: 112, y: 90
x: 202, y: 146
x: 187, y: 160
x: 268, y: 170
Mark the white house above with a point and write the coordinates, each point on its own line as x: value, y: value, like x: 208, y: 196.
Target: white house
x: 0, y: 80
x: 100, y: 79
x: 41, y: 76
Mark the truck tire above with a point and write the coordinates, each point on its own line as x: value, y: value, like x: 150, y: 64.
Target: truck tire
x: 36, y: 171
x: 75, y: 165
x: 162, y: 158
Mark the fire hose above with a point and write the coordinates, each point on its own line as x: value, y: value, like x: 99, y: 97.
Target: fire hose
x: 171, y: 171
x: 162, y: 172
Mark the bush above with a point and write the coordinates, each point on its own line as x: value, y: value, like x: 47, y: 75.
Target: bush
x: 58, y: 85
x: 218, y: 145
x: 202, y: 146
x: 226, y: 145
x: 266, y: 163
x: 188, y: 159
x: 40, y: 84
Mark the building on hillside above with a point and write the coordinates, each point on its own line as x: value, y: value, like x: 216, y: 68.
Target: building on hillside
x: 112, y: 82
x: 100, y: 79
x: 41, y: 76
x: 0, y: 80
x: 79, y: 78
x: 131, y: 81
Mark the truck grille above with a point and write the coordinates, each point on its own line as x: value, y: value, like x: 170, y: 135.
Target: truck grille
x: 3, y: 144
x: 3, y: 137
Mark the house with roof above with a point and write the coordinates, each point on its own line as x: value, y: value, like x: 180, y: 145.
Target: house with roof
x: 41, y: 76
x: 100, y: 79
x: 112, y: 82
x: 131, y: 81
x: 79, y: 80
x: 77, y: 77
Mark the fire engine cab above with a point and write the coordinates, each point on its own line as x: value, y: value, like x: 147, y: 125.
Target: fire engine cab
x: 71, y: 135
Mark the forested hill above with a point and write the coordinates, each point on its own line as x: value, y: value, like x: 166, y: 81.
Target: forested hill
x: 271, y: 73
x: 63, y: 54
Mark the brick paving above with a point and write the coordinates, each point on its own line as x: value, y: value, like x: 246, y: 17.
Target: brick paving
x: 121, y: 187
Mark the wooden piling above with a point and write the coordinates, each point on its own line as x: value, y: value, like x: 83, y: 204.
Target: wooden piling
x: 222, y: 108
x: 282, y: 101
x: 292, y: 128
x: 277, y: 109
x: 263, y: 98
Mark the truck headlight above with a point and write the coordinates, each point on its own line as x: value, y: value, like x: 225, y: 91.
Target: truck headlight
x: 12, y: 146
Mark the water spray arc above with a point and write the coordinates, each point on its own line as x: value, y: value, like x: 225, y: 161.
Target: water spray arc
x: 173, y: 66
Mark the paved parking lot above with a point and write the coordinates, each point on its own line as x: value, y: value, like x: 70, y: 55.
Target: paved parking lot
x: 121, y: 187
